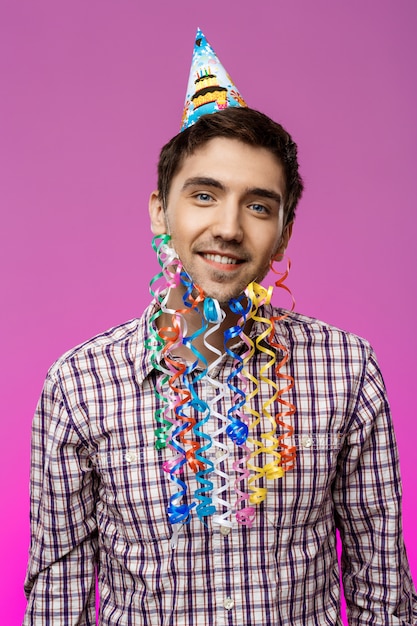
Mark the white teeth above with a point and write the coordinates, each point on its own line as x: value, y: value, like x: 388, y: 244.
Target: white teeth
x: 225, y: 260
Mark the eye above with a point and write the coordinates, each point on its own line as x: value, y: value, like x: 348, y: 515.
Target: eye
x: 203, y: 197
x: 259, y: 208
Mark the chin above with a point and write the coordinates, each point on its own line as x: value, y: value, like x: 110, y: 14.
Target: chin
x: 221, y: 291
x: 225, y: 297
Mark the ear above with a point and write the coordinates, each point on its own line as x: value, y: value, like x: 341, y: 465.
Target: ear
x: 285, y: 237
x: 157, y: 214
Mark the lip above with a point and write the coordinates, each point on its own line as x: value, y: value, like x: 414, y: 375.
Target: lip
x: 235, y: 262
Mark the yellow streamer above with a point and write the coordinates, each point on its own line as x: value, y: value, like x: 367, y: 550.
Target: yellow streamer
x: 269, y: 442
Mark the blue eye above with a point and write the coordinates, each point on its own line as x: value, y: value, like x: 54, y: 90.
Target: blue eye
x: 258, y: 208
x: 204, y: 197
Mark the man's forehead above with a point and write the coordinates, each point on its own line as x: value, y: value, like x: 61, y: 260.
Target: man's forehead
x: 220, y: 158
x: 224, y: 147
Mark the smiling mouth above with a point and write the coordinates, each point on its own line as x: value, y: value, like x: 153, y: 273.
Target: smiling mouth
x: 223, y: 260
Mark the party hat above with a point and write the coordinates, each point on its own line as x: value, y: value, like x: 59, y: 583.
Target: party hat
x: 210, y: 87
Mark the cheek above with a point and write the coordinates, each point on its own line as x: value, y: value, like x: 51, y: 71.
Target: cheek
x: 178, y: 221
x: 267, y: 245
x: 185, y: 230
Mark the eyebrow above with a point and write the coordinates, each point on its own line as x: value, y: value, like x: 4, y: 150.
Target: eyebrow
x: 265, y: 193
x: 205, y: 181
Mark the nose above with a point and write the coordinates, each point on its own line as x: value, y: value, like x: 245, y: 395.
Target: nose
x: 227, y: 224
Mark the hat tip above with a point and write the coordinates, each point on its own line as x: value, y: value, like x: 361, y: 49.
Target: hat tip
x: 210, y: 88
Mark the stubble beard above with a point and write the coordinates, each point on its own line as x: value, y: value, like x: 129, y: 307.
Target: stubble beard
x: 235, y: 291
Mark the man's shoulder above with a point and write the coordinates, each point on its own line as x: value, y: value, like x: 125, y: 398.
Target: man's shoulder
x: 122, y: 334
x: 312, y: 328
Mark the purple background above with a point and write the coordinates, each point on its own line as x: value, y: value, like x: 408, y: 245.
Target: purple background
x: 89, y: 92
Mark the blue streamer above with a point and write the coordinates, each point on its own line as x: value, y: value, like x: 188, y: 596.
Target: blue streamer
x: 237, y: 430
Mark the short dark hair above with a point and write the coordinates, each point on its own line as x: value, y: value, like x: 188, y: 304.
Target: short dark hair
x: 246, y: 125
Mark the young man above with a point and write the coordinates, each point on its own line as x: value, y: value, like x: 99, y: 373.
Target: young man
x: 202, y: 456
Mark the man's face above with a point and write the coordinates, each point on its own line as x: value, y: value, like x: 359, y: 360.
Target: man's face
x: 225, y: 215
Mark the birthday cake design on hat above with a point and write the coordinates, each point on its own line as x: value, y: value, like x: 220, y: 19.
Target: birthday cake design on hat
x: 210, y: 87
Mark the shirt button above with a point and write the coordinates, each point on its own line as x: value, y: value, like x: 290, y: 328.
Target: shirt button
x: 307, y: 442
x: 225, y: 530
x: 220, y: 453
x: 130, y: 457
x: 229, y: 603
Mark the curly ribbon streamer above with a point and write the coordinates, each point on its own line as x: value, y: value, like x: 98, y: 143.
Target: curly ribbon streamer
x: 288, y: 453
x: 183, y: 395
x: 170, y: 270
x: 223, y: 507
x: 245, y: 515
x: 176, y: 416
x: 214, y: 315
x: 191, y: 303
x: 238, y: 429
x: 162, y: 341
x: 203, y: 442
x: 259, y: 295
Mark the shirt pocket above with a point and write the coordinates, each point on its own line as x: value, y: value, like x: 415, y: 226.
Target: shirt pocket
x: 135, y: 493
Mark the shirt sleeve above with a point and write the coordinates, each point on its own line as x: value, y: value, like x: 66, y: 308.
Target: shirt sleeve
x: 60, y: 580
x: 367, y: 494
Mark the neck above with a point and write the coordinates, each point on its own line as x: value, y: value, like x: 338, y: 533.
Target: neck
x: 193, y: 316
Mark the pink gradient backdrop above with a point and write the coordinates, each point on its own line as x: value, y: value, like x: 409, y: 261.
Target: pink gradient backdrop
x: 90, y: 90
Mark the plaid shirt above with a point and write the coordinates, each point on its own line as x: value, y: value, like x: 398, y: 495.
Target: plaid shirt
x: 99, y: 498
